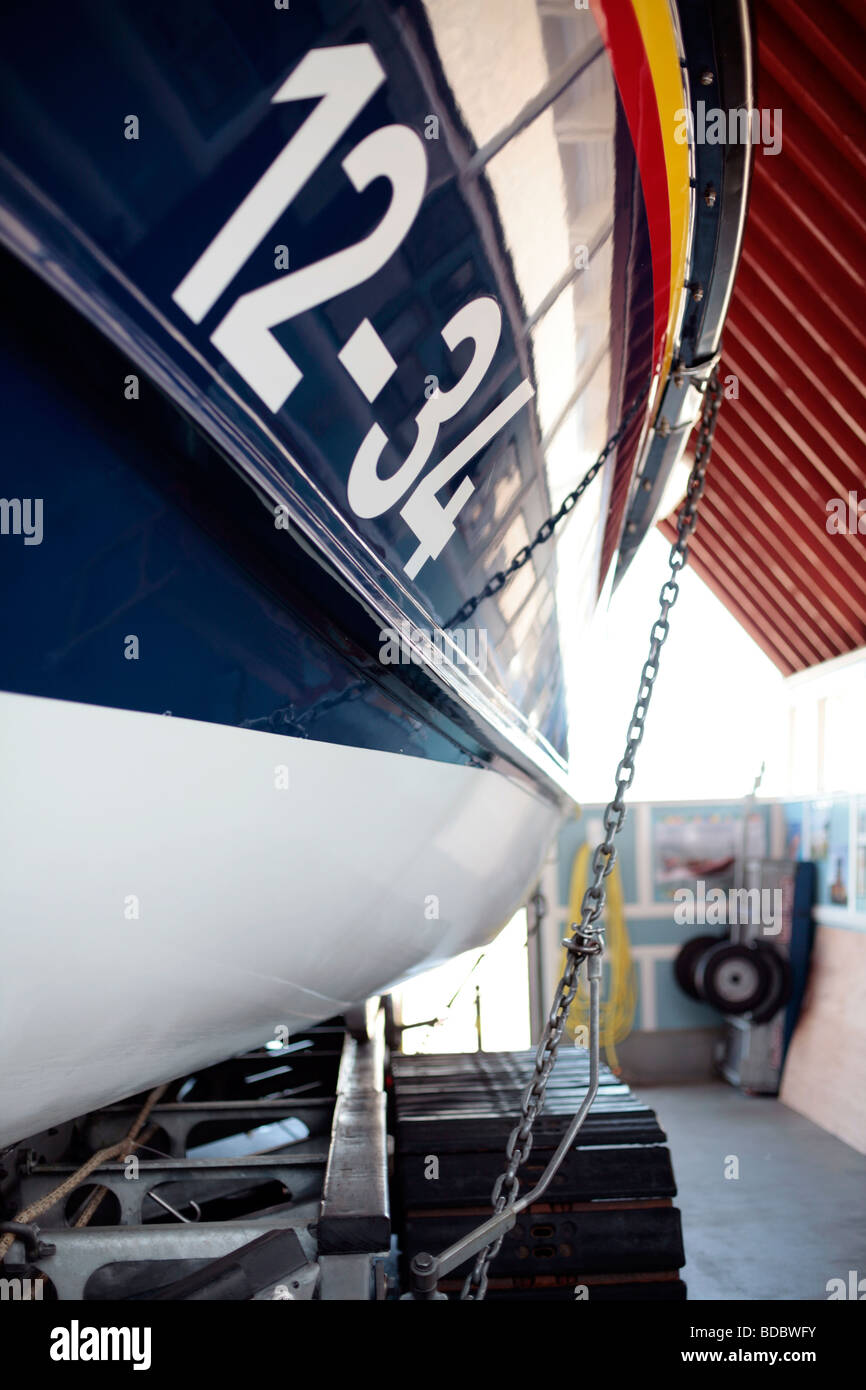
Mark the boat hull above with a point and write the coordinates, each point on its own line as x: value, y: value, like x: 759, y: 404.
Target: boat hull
x: 183, y: 891
x: 304, y: 339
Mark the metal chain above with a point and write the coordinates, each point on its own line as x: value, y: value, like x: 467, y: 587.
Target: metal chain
x: 547, y: 528
x: 586, y: 936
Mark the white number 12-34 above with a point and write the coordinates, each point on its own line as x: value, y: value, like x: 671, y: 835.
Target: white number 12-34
x: 345, y: 78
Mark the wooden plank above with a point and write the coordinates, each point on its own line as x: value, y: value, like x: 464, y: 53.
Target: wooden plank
x: 825, y: 1070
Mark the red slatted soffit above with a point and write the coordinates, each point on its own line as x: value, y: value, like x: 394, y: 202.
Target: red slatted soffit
x: 796, y: 340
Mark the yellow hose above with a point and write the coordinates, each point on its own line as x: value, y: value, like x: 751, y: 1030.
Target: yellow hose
x: 619, y: 1002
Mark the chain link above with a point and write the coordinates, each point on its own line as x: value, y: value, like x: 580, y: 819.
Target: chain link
x: 586, y: 936
x: 498, y: 580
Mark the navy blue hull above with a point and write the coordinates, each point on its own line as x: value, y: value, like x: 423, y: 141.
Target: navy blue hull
x: 150, y: 536
x: 160, y: 499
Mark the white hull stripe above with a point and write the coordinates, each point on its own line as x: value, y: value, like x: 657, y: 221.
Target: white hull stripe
x: 171, y: 892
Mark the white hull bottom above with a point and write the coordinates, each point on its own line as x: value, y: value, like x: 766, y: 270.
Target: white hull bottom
x: 166, y: 900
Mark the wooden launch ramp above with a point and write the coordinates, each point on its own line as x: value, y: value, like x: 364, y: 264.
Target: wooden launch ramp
x: 607, y: 1228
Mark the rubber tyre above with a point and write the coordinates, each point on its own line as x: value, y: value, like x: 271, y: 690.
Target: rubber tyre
x: 686, y: 962
x: 783, y: 982
x: 735, y: 979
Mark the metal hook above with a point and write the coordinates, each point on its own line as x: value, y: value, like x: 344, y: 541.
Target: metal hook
x: 188, y: 1221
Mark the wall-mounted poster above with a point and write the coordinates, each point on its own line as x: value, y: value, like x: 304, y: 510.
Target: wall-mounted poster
x: 688, y: 845
x: 829, y: 822
x: 794, y: 847
x: 819, y: 837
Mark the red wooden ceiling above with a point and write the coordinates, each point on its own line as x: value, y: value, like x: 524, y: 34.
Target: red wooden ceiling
x: 796, y: 340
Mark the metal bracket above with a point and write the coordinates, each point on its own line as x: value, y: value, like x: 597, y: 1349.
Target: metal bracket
x: 35, y: 1248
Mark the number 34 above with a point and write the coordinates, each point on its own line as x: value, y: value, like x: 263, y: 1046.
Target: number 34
x: 344, y: 79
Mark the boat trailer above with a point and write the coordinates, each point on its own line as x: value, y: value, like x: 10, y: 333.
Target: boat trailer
x: 334, y: 1167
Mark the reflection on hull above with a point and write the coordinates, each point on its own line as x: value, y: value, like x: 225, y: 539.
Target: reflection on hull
x: 175, y: 897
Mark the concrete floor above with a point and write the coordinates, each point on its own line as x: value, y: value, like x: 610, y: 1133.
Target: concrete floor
x: 793, y: 1219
